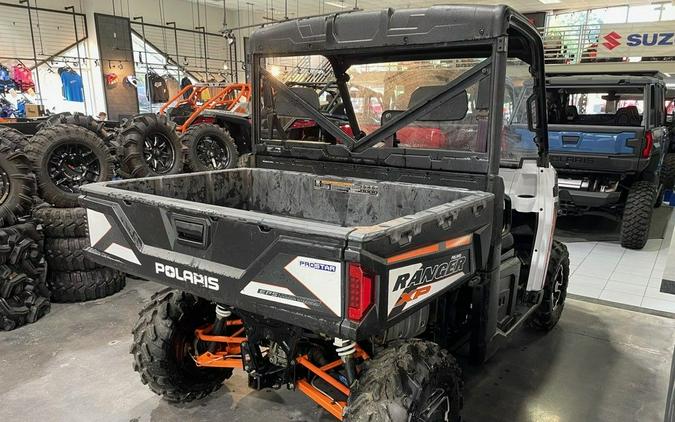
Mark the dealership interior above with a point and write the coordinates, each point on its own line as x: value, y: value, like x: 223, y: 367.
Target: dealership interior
x: 314, y: 210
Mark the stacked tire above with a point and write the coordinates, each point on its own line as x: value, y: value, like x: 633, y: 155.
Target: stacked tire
x: 71, y: 150
x: 73, y: 277
x: 24, y: 296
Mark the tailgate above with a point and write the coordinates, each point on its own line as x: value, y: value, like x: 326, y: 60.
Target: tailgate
x: 256, y: 262
x: 602, y: 140
x: 582, y: 148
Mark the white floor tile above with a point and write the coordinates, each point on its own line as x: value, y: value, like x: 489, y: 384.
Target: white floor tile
x: 655, y: 293
x: 659, y: 305
x: 585, y: 290
x: 606, y: 260
x: 621, y: 297
x: 584, y: 280
x: 595, y: 270
x: 637, y: 279
x: 633, y: 289
x: 655, y: 282
x: 638, y: 270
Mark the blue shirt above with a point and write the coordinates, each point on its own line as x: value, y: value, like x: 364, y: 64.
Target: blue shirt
x: 72, y: 87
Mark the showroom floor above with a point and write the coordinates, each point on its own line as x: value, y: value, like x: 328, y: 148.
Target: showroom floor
x: 599, y: 364
x: 604, y: 270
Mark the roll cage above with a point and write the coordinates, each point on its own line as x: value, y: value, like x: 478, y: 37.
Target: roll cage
x: 492, y: 33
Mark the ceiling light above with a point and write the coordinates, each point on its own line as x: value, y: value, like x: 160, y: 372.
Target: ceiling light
x: 340, y: 5
x: 275, y: 70
x: 549, y: 1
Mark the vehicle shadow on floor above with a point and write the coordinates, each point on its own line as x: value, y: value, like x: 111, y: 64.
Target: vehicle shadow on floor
x: 597, y: 228
x: 574, y: 373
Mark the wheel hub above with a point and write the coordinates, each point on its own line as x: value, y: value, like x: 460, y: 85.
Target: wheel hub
x: 211, y: 153
x: 159, y: 153
x: 73, y: 165
x: 437, y: 408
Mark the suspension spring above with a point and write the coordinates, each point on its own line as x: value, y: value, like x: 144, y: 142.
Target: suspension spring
x: 346, y: 350
x: 222, y: 312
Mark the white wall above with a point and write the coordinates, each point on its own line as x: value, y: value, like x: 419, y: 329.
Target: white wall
x: 183, y: 12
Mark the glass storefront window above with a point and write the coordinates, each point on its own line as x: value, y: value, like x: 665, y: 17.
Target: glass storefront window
x: 608, y: 15
x: 644, y: 13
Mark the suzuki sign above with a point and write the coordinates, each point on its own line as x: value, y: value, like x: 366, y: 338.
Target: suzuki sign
x: 637, y: 40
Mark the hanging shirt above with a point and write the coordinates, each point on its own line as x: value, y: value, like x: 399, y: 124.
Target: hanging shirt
x: 23, y: 77
x: 183, y: 83
x: 71, y: 85
x: 157, y: 91
x: 6, y: 82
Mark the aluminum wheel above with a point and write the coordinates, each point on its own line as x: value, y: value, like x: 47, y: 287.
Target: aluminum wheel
x: 73, y: 165
x: 211, y: 153
x: 158, y: 152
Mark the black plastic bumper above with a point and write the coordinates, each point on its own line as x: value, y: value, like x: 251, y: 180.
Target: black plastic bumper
x: 585, y: 199
x: 597, y: 163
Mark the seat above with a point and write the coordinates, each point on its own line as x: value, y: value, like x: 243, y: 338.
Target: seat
x: 287, y: 107
x: 571, y: 113
x: 628, y: 116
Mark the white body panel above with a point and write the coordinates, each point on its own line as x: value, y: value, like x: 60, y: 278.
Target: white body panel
x: 531, y: 190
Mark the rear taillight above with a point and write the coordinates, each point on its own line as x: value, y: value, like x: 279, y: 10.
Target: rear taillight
x: 347, y: 130
x: 360, y: 292
x: 303, y: 123
x: 201, y: 119
x: 649, y: 144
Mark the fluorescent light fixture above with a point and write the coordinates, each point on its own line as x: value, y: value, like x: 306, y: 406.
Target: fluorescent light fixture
x: 340, y: 5
x: 549, y: 1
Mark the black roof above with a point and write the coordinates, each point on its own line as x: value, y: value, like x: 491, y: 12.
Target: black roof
x: 582, y: 80
x: 388, y: 28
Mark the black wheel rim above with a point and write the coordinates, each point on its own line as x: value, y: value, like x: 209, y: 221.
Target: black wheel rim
x: 437, y: 407
x: 73, y: 165
x: 557, y: 288
x: 158, y: 153
x: 4, y: 185
x: 211, y: 153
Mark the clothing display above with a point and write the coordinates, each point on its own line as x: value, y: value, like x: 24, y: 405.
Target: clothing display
x: 131, y: 81
x: 111, y: 79
x: 172, y: 86
x: 6, y: 82
x: 23, y: 77
x: 186, y: 82
x: 71, y: 83
x: 156, y: 88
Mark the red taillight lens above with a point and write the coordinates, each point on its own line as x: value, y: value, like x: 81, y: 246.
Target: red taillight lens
x: 360, y: 292
x: 303, y: 123
x: 209, y: 120
x: 347, y: 130
x: 649, y: 139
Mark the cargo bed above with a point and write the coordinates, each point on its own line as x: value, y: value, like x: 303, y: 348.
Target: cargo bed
x: 257, y: 238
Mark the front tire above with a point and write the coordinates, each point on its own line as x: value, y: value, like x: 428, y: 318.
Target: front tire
x: 149, y: 146
x: 555, y: 289
x: 637, y: 215
x: 209, y: 147
x: 163, y: 345
x: 413, y: 380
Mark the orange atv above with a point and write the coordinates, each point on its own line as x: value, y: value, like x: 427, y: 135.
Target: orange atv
x: 211, y: 125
